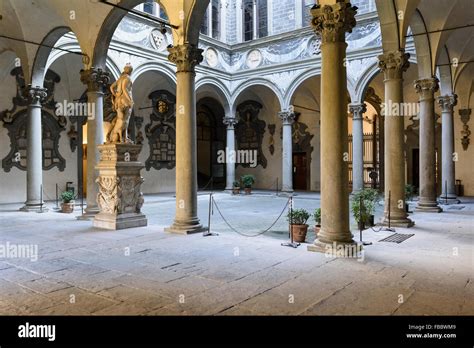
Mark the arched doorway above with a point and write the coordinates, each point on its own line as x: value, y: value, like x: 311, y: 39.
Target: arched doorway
x: 211, y: 139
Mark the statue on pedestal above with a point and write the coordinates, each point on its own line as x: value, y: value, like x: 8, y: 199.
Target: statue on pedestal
x: 122, y: 103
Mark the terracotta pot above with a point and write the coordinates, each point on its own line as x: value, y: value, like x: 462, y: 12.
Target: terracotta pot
x: 68, y: 208
x: 248, y: 190
x: 317, y: 228
x: 236, y: 190
x: 299, y: 233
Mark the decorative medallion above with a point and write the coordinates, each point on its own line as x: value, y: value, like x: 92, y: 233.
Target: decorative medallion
x: 254, y: 59
x: 212, y: 57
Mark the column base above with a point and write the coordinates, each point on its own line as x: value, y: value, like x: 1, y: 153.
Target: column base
x: 337, y: 249
x: 119, y: 222
x: 32, y: 207
x: 431, y: 207
x: 89, y: 214
x: 189, y: 227
x: 448, y: 200
x: 398, y: 222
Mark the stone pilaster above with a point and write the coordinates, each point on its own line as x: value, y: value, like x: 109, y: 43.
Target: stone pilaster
x: 448, y: 188
x: 426, y: 89
x: 357, y: 111
x: 186, y: 57
x: 230, y: 122
x: 96, y: 81
x: 331, y: 22
x: 34, y: 154
x: 393, y: 64
x: 287, y: 118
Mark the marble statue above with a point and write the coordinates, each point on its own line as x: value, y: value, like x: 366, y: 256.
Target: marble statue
x: 122, y: 103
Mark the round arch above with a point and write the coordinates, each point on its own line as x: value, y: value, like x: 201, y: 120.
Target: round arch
x: 254, y: 83
x: 211, y: 87
x: 161, y: 68
x: 39, y: 68
x: 108, y: 28
x: 298, y: 81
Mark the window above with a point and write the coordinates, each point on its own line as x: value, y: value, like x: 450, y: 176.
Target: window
x: 307, y: 18
x: 262, y: 18
x: 205, y: 24
x: 216, y: 30
x: 148, y: 7
x: 153, y: 8
x: 255, y: 19
x: 248, y: 20
x: 211, y: 23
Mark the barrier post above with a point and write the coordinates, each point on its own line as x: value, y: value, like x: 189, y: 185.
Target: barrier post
x: 208, y: 233
x: 291, y: 243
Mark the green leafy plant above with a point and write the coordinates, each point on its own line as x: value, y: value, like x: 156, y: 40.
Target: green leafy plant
x: 410, y: 191
x: 68, y: 196
x: 236, y: 184
x: 248, y: 180
x: 298, y: 216
x: 317, y: 216
x: 363, y: 204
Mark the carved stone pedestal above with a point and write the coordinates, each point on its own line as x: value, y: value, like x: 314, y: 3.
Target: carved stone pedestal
x: 119, y: 182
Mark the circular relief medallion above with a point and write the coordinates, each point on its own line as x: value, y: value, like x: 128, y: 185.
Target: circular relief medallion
x: 212, y: 57
x: 158, y: 40
x: 254, y: 59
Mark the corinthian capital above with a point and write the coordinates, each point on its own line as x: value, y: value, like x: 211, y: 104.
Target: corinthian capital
x: 287, y: 117
x: 357, y: 110
x: 394, y: 64
x: 186, y: 57
x: 36, y: 95
x: 333, y: 21
x: 230, y: 121
x: 96, y: 79
x: 448, y: 102
x: 427, y: 87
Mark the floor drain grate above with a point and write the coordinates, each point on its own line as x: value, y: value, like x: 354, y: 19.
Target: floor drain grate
x: 396, y: 238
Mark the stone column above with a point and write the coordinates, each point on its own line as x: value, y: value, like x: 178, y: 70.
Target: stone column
x: 448, y: 188
x: 332, y: 22
x: 34, y: 154
x: 186, y: 57
x: 357, y: 111
x: 393, y: 64
x: 230, y: 149
x: 381, y: 150
x: 96, y: 81
x: 288, y: 118
x: 426, y: 89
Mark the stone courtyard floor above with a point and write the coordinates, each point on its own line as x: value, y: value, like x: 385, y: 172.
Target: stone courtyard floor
x: 81, y: 270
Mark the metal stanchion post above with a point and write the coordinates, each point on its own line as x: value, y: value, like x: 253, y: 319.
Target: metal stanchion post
x: 208, y: 232
x: 291, y: 243
x: 361, y: 223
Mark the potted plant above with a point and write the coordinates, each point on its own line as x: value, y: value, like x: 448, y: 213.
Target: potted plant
x: 297, y: 219
x: 409, y: 193
x: 370, y: 197
x: 68, y: 202
x: 236, y: 188
x: 248, y: 180
x: 363, y: 207
x: 317, y: 219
